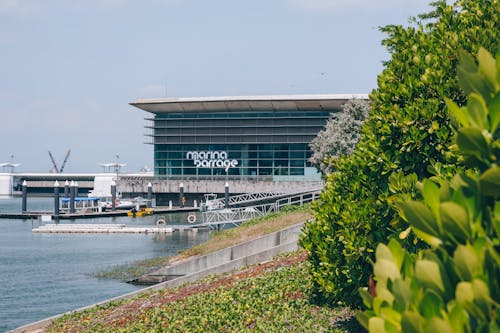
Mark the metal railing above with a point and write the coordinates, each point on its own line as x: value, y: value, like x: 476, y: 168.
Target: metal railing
x: 215, y: 218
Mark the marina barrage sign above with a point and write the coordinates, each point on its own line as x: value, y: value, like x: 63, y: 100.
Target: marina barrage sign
x: 211, y: 159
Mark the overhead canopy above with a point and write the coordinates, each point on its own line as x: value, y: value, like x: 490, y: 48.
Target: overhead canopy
x: 328, y: 102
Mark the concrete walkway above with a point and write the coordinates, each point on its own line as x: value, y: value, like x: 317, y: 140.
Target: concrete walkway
x: 256, y: 251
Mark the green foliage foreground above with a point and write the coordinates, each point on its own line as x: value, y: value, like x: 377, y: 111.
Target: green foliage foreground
x: 454, y: 286
x: 271, y: 297
x: 408, y: 132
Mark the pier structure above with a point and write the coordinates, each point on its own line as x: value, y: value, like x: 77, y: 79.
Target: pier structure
x: 167, y: 190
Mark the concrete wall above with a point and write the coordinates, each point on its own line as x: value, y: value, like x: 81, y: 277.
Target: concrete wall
x: 285, y: 236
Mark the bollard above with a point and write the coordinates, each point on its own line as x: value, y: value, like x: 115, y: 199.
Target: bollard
x: 76, y: 189
x: 195, y: 204
x: 72, y: 197
x: 182, y: 199
x: 25, y: 196
x: 170, y: 204
x: 56, y: 198
x: 66, y: 189
x: 226, y: 195
x: 114, y: 199
x: 150, y: 195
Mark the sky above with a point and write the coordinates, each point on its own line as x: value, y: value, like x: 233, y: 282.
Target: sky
x: 68, y: 69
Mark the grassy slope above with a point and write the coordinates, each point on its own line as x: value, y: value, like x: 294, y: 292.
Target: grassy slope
x: 271, y: 297
x: 218, y: 240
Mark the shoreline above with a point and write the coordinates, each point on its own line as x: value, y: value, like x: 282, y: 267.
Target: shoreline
x: 193, y: 252
x: 196, y: 268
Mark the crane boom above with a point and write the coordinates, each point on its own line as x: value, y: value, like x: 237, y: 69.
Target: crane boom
x: 56, y: 169
x: 65, y: 160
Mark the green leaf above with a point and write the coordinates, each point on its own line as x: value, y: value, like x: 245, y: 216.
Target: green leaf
x: 477, y: 111
x: 487, y: 66
x: 490, y: 182
x: 431, y: 195
x: 383, y: 252
x: 466, y: 262
x: 429, y: 239
x: 439, y: 325
x: 471, y: 142
x: 464, y: 293
x: 376, y: 324
x: 459, y: 113
x: 398, y: 253
x: 467, y: 61
x: 363, y: 318
x: 469, y: 78
x: 455, y: 220
x: 482, y: 296
x: 366, y: 296
x: 412, y: 322
x: 428, y: 275
x: 384, y: 296
x: 419, y: 216
x: 391, y: 316
x: 494, y: 108
x: 459, y: 319
x: 401, y: 290
x: 431, y: 305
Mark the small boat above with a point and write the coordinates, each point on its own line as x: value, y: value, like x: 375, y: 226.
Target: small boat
x: 140, y: 212
x: 120, y: 204
x: 82, y: 205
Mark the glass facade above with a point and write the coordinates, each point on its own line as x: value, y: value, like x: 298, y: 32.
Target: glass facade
x: 272, y: 145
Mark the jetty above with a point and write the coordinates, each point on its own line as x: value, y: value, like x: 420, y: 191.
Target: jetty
x: 108, y: 228
x: 88, y: 215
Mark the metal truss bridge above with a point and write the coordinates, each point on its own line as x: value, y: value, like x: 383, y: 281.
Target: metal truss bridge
x: 217, y: 218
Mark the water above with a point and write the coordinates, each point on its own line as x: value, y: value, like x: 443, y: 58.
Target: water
x: 42, y: 275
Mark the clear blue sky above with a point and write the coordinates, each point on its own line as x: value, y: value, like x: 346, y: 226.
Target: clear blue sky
x: 68, y: 69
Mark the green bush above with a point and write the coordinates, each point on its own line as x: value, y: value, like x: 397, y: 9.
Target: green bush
x: 407, y: 133
x: 455, y: 285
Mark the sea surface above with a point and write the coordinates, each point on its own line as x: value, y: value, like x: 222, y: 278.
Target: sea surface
x: 42, y: 275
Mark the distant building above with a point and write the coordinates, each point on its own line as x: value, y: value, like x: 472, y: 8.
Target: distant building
x: 241, y: 138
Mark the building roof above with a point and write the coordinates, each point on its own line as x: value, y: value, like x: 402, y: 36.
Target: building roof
x: 327, y: 102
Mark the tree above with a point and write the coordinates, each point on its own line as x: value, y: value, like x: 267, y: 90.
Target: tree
x: 340, y: 135
x: 406, y: 134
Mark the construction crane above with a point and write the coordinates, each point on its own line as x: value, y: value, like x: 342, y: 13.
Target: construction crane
x: 54, y: 164
x: 65, y: 160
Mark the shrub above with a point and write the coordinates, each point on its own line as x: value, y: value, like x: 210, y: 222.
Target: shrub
x: 454, y: 286
x: 340, y: 135
x: 407, y: 133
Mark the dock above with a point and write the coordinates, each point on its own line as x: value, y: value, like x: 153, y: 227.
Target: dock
x: 88, y: 215
x: 100, y: 229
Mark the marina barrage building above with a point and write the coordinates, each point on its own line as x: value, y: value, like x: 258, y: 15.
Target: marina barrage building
x: 263, y: 138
